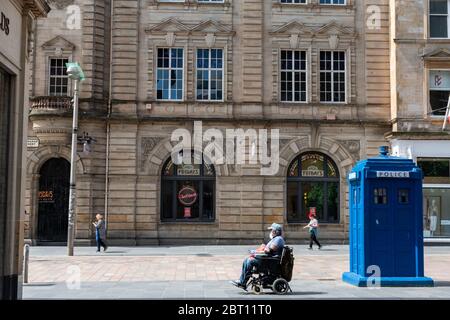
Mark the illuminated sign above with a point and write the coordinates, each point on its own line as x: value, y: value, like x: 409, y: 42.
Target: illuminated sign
x: 46, y: 196
x: 187, y: 196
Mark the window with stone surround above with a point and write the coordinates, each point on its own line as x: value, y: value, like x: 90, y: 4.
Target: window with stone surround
x: 58, y: 78
x: 313, y: 185
x: 188, y: 191
x: 293, y: 1
x: 332, y: 76
x: 210, y: 74
x: 334, y: 2
x: 169, y: 74
x: 293, y: 76
x: 439, y: 91
x: 439, y: 18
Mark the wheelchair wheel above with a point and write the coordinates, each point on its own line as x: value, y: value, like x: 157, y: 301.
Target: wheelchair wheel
x: 257, y: 289
x: 280, y: 286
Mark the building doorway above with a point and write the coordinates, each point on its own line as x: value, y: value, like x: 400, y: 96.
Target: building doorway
x: 53, y: 201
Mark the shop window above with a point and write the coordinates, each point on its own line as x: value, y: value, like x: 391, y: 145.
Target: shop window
x: 313, y: 185
x: 435, y: 170
x: 439, y: 86
x: 436, y: 211
x: 439, y: 18
x: 187, y: 192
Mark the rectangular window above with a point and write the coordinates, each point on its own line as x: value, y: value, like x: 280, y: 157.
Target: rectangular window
x: 293, y: 1
x: 439, y: 84
x: 58, y: 78
x: 403, y: 196
x: 435, y: 170
x: 332, y: 76
x: 210, y: 1
x: 380, y: 196
x: 169, y: 74
x: 210, y: 74
x: 338, y: 2
x: 439, y: 17
x: 293, y: 76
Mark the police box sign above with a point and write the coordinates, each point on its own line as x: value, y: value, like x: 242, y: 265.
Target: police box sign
x: 392, y: 174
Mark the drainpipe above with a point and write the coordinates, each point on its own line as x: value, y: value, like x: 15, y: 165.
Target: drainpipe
x: 108, y: 117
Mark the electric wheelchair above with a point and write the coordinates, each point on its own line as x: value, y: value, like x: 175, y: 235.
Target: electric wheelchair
x: 273, y: 272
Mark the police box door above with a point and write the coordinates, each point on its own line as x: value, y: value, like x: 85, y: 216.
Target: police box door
x: 391, y: 226
x: 53, y: 201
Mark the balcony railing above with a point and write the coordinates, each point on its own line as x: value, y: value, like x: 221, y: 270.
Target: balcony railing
x: 50, y: 104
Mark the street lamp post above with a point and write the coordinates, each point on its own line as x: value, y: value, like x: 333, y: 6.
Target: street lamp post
x: 75, y: 73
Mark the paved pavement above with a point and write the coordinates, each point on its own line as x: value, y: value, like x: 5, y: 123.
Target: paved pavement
x: 198, y: 272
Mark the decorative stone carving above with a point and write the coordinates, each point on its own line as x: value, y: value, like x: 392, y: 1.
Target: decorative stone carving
x: 294, y: 40
x: 170, y: 39
x: 334, y: 41
x: 210, y: 40
x: 58, y: 52
x: 60, y: 4
x: 352, y: 146
x: 147, y: 146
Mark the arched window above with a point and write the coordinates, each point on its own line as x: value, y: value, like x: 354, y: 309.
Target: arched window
x: 188, y: 192
x: 313, y: 185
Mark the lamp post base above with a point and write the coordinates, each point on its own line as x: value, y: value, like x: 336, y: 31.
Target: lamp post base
x: 360, y: 281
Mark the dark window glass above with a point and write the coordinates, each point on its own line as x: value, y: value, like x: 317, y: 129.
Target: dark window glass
x: 435, y: 168
x: 380, y: 196
x: 315, y: 185
x: 187, y: 192
x: 403, y: 196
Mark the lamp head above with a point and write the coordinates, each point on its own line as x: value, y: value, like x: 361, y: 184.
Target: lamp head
x: 74, y: 71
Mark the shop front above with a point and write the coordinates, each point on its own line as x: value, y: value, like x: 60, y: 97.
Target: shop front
x: 433, y: 157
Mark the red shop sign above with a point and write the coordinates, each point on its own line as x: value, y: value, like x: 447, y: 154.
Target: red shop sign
x: 187, y: 196
x: 187, y: 212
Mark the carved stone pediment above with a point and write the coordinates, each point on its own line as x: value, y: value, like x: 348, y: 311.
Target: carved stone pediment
x: 211, y: 26
x: 437, y: 55
x: 293, y: 27
x: 60, y: 4
x: 333, y: 28
x: 168, y: 25
x: 58, y: 43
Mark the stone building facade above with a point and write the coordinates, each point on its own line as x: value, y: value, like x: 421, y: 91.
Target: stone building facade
x: 420, y: 62
x: 156, y: 66
x: 16, y: 33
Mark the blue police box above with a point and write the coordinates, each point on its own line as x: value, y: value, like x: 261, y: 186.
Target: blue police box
x: 386, y: 233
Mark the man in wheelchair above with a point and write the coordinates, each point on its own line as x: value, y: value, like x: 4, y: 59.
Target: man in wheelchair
x: 265, y: 261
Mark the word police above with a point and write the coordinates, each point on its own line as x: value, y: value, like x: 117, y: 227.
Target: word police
x: 233, y: 309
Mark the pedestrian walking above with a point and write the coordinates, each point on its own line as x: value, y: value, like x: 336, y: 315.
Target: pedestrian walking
x: 100, y: 232
x: 313, y: 226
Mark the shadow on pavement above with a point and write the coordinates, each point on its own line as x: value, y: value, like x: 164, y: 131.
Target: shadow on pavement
x: 294, y: 293
x: 442, y: 283
x: 46, y: 284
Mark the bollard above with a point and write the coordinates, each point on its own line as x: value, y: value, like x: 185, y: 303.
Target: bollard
x: 25, y: 263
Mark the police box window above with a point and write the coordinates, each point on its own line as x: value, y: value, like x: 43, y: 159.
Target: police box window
x: 403, y: 196
x: 439, y: 85
x: 380, y: 196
